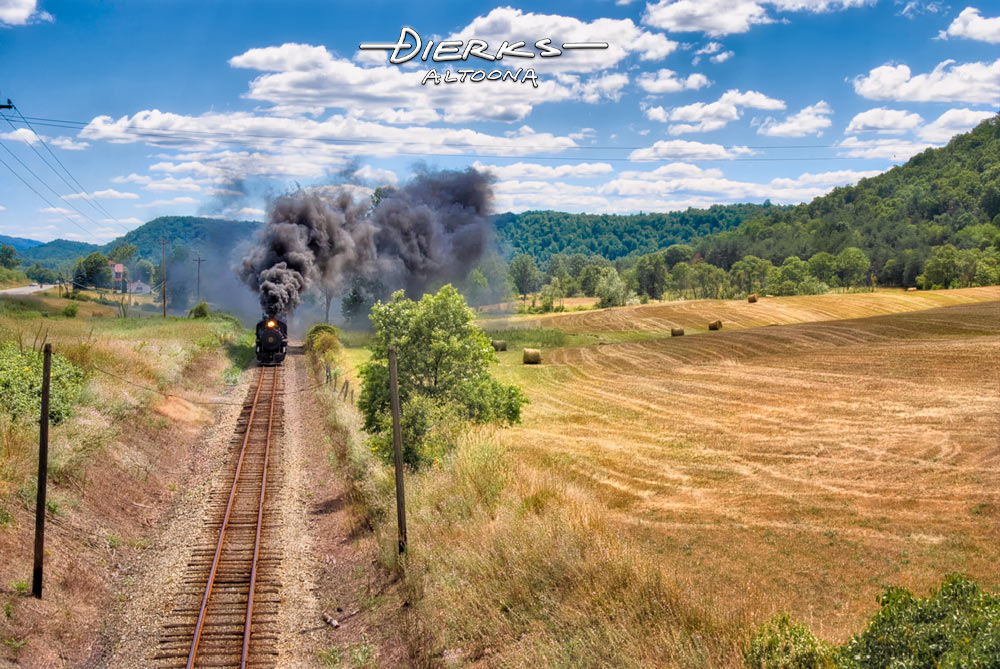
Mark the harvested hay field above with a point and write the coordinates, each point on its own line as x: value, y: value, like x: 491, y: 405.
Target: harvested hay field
x: 693, y: 315
x: 800, y: 467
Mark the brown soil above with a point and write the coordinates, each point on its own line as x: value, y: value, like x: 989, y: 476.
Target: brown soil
x: 326, y: 569
x: 329, y: 573
x: 108, y: 511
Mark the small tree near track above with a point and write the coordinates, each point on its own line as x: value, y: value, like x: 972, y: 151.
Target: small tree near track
x: 444, y: 379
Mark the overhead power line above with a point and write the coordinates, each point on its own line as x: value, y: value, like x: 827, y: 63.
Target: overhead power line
x: 44, y: 199
x: 225, y: 137
x: 100, y: 209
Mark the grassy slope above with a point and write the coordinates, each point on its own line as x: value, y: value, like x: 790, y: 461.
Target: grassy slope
x: 113, y: 467
x: 662, y: 495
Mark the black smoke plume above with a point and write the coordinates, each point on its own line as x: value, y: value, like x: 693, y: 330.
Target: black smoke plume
x: 432, y: 229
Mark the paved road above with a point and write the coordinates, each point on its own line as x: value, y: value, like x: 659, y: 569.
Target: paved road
x: 27, y: 290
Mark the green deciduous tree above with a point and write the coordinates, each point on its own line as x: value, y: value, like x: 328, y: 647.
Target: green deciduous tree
x: 8, y: 257
x: 524, y: 274
x: 93, y: 270
x: 444, y: 374
x: 852, y: 267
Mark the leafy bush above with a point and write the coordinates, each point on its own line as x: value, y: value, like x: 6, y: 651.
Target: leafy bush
x: 956, y: 626
x: 781, y: 644
x: 200, y: 310
x: 71, y: 310
x: 21, y: 384
x: 324, y: 339
x: 443, y: 374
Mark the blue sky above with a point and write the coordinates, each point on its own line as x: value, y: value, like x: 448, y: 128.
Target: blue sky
x: 210, y: 108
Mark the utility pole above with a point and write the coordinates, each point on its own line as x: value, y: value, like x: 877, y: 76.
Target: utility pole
x: 200, y: 260
x: 43, y: 472
x: 9, y: 105
x: 397, y: 443
x: 163, y: 274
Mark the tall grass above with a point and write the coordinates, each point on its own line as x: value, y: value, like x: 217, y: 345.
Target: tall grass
x: 510, y: 567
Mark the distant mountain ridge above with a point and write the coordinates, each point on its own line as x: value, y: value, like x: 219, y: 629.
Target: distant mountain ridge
x: 19, y: 243
x: 207, y: 236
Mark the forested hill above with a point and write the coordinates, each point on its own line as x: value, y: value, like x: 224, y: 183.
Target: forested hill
x: 942, y: 196
x: 543, y: 233
x: 207, y: 236
x: 203, y: 235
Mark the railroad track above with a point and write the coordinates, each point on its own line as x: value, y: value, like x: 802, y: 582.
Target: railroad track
x: 226, y: 612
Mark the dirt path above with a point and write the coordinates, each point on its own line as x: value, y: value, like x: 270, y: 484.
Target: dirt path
x: 326, y: 573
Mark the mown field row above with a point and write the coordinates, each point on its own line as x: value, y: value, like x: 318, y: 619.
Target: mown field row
x: 799, y: 466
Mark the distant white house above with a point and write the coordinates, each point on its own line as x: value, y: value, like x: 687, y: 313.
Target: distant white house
x: 139, y: 288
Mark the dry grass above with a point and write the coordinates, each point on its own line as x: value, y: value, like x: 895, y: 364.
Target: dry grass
x: 113, y: 467
x: 662, y: 496
x: 650, y: 320
x: 799, y: 467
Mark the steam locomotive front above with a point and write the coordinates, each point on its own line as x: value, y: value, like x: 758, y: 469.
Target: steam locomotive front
x: 272, y: 340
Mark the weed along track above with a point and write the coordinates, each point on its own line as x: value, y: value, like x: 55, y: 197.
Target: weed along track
x: 227, y: 606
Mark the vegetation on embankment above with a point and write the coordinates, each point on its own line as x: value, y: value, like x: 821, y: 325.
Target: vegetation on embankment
x: 126, y: 419
x: 520, y: 554
x: 512, y: 568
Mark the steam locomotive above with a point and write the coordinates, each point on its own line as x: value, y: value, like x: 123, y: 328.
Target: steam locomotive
x: 272, y: 340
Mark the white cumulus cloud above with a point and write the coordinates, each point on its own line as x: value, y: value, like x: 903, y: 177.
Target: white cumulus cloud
x: 680, y: 149
x: 811, y: 120
x: 725, y: 17
x: 21, y: 12
x: 951, y: 123
x: 709, y: 116
x: 667, y: 81
x: 948, y: 82
x: 970, y: 24
x: 523, y: 170
x: 884, y: 121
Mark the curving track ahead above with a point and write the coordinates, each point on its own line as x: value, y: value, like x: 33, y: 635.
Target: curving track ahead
x: 226, y: 612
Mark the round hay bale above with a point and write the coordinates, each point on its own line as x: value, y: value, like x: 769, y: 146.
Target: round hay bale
x: 532, y: 356
x: 911, y: 289
x: 499, y: 344
x: 676, y: 332
x: 715, y: 325
x: 751, y: 298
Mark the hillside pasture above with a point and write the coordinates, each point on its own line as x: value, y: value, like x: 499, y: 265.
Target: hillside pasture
x: 652, y: 320
x: 814, y: 451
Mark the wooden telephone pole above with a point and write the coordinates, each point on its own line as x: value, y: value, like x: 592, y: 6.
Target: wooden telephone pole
x: 397, y: 443
x: 200, y: 260
x: 43, y: 472
x: 163, y: 274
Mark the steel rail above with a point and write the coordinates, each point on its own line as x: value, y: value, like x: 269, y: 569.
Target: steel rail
x: 260, y: 523
x: 192, y: 654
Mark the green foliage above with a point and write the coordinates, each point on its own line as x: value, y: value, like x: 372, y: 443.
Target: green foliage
x: 200, y: 310
x: 123, y: 253
x: 956, y: 626
x: 93, y: 270
x: 324, y: 340
x: 611, y: 290
x: 8, y: 257
x: 524, y: 274
x: 21, y: 384
x: 895, y: 218
x: 781, y: 644
x: 443, y: 361
x: 544, y: 233
x: 71, y: 310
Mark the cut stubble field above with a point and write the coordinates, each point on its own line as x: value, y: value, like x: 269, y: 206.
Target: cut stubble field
x: 813, y: 452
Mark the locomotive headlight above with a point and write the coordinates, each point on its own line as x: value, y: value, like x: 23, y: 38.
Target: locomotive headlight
x: 270, y: 324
